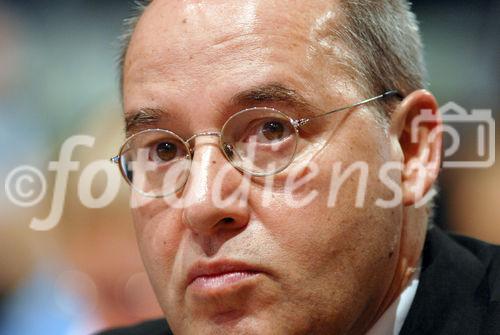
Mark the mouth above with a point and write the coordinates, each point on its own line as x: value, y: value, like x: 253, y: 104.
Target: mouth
x: 215, y: 277
x: 222, y: 280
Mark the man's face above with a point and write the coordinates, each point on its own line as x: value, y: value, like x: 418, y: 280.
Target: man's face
x: 312, y: 269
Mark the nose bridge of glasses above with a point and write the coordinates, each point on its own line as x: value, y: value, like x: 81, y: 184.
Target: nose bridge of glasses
x: 206, y: 133
x: 191, y: 142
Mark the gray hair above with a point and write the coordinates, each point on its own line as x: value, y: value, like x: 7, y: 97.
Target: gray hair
x: 384, y: 46
x: 129, y: 25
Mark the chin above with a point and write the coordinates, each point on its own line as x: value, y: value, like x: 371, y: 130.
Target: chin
x: 231, y: 323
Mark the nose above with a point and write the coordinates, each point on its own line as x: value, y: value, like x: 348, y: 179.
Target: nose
x: 216, y: 193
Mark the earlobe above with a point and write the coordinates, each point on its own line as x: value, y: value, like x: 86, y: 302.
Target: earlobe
x: 417, y: 124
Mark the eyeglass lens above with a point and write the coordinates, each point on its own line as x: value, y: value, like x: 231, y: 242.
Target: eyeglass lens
x: 259, y: 141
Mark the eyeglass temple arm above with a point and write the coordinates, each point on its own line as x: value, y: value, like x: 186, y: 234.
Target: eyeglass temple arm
x: 385, y: 95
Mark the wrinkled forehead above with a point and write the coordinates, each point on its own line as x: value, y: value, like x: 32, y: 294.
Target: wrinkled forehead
x: 175, y: 34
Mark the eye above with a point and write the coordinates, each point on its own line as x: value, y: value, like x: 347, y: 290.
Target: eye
x: 273, y: 130
x: 164, y: 152
x: 267, y: 131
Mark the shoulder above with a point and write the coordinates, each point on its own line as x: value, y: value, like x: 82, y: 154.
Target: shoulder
x: 489, y: 256
x: 152, y: 327
x: 460, y: 276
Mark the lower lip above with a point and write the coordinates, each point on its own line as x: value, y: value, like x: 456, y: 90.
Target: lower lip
x: 221, y: 281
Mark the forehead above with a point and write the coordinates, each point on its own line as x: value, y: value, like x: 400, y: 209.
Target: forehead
x: 187, y: 44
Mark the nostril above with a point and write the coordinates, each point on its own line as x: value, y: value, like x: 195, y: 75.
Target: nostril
x: 227, y: 220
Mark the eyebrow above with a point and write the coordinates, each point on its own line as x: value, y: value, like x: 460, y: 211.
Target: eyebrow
x: 274, y: 92
x: 144, y: 117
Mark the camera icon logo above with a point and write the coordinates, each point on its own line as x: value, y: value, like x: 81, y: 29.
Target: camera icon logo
x: 473, y: 132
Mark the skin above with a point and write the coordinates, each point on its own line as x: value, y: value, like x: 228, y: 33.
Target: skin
x: 328, y: 270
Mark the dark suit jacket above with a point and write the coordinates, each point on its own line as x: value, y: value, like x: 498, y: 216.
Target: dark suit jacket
x: 458, y: 292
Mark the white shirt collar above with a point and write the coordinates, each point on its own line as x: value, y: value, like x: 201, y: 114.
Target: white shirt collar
x: 391, y: 322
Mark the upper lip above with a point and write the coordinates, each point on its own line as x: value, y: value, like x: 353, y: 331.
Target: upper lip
x: 202, y: 268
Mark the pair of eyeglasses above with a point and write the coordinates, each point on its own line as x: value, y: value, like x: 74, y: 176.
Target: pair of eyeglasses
x: 259, y: 141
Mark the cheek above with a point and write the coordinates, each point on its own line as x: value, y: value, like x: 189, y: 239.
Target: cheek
x: 321, y: 237
x: 348, y: 172
x: 158, y: 238
x: 332, y: 262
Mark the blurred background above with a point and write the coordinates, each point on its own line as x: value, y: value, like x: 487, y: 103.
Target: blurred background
x: 58, y: 79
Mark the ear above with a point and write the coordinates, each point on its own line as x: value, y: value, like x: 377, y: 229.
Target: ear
x: 417, y: 126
